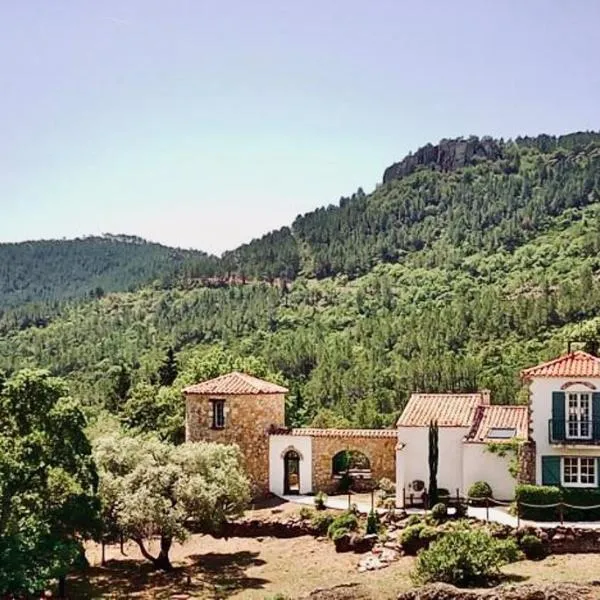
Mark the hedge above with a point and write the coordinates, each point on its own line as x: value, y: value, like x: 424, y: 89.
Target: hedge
x: 542, y: 494
x: 538, y: 494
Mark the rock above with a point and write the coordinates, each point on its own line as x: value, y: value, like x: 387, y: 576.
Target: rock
x: 554, y: 591
x: 448, y: 155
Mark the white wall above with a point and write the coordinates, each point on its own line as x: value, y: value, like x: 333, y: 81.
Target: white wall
x: 278, y: 445
x: 541, y: 389
x: 480, y: 465
x: 412, y: 461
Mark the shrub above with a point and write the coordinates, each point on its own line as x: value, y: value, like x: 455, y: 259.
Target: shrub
x: 389, y: 503
x: 581, y: 497
x: 532, y: 547
x: 439, y: 512
x: 460, y: 511
x: 320, y: 500
x: 372, y: 523
x: 387, y: 486
x: 306, y: 513
x: 413, y: 520
x: 347, y: 520
x: 479, y: 491
x: 321, y: 522
x: 339, y: 533
x: 537, y: 494
x: 416, y: 537
x: 464, y: 557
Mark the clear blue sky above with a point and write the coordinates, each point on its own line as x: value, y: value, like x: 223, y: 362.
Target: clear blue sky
x: 204, y: 123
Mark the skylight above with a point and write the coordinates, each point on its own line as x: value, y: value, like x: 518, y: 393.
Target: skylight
x: 501, y: 433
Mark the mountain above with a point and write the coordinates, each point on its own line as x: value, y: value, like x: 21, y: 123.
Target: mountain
x: 446, y: 277
x: 54, y: 270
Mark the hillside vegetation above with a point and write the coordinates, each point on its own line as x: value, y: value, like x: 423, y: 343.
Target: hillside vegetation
x: 439, y: 280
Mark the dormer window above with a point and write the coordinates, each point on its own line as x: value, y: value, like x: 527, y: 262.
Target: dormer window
x: 218, y: 414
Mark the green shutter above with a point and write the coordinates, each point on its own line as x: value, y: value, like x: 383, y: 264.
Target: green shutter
x: 558, y: 415
x: 596, y: 415
x: 550, y: 470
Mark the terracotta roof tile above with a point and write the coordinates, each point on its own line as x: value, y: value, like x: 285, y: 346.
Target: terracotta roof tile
x: 235, y: 384
x: 343, y: 433
x: 575, y: 364
x: 449, y: 410
x: 502, y: 417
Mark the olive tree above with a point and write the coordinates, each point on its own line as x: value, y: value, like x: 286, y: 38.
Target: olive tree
x: 154, y: 489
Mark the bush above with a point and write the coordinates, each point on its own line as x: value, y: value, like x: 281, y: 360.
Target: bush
x: 416, y: 537
x: 372, y: 523
x: 321, y: 522
x: 320, y: 500
x: 387, y: 486
x: 532, y: 547
x: 389, y: 503
x: 439, y: 512
x: 465, y: 557
x: 537, y: 494
x: 413, y: 520
x: 339, y: 533
x: 306, y: 513
x: 479, y: 491
x: 581, y: 497
x: 345, y: 483
x: 347, y: 520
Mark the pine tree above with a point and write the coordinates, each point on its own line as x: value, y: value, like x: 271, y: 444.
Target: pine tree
x: 167, y: 372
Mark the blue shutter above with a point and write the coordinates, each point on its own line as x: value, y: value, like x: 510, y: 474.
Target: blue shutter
x: 551, y: 470
x: 596, y: 415
x: 558, y: 415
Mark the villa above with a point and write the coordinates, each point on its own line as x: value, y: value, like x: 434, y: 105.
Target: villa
x: 556, y: 436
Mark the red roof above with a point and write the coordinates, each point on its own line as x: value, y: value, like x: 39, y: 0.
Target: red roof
x: 235, y: 384
x: 575, y: 364
x: 512, y: 420
x: 337, y: 433
x: 449, y: 410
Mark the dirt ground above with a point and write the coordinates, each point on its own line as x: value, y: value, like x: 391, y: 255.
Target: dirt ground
x: 262, y: 568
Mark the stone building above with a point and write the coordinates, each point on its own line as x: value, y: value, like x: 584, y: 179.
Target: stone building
x: 557, y: 435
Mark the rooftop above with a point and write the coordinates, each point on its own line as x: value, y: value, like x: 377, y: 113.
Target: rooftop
x: 337, y: 433
x: 497, y: 423
x: 575, y: 364
x: 449, y: 410
x: 235, y: 383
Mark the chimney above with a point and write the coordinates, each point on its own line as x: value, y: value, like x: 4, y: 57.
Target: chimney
x: 486, y: 397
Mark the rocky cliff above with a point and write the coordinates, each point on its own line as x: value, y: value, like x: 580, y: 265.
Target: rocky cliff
x: 448, y: 155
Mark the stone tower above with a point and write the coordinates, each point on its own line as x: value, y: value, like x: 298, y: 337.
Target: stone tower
x: 237, y: 409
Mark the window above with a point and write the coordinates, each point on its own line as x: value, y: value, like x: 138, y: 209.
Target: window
x: 579, y: 415
x: 579, y: 472
x: 501, y: 433
x: 218, y: 414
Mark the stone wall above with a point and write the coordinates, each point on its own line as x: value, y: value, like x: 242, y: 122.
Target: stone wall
x: 526, y: 460
x: 381, y: 452
x: 247, y: 421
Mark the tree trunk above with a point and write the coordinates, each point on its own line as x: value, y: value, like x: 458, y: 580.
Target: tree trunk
x: 162, y: 561
x: 62, y: 586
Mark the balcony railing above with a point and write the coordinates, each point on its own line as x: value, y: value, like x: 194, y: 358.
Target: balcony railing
x: 563, y: 431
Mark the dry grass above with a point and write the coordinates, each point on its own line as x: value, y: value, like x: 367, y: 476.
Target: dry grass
x: 255, y: 568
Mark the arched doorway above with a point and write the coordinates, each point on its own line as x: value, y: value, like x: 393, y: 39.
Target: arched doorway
x: 291, y: 465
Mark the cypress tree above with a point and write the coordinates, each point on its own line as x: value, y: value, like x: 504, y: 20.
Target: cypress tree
x: 433, y: 462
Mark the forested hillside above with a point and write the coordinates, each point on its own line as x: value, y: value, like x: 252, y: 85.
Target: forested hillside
x: 442, y: 279
x: 54, y: 270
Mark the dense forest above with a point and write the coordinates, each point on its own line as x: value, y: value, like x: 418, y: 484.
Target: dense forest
x: 451, y: 276
x: 55, y: 270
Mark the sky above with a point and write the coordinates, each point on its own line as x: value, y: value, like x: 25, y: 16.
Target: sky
x: 203, y: 124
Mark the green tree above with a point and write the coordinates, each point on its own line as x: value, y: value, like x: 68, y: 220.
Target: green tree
x: 167, y: 372
x: 47, y: 483
x: 154, y: 489
x: 433, y: 462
